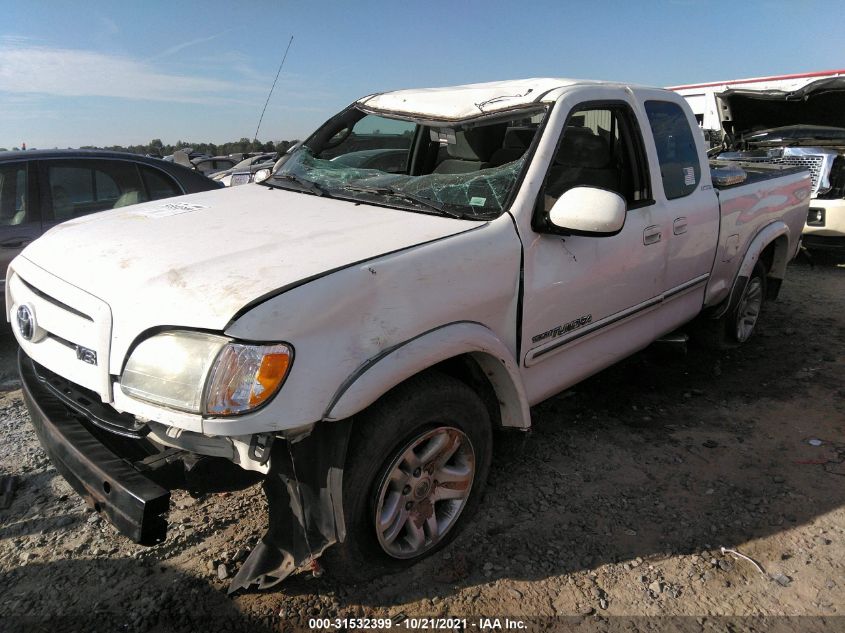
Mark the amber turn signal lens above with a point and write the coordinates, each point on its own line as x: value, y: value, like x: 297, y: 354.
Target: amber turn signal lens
x: 273, y: 369
x: 246, y: 376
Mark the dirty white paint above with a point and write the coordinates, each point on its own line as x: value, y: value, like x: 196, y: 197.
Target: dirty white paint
x: 357, y: 288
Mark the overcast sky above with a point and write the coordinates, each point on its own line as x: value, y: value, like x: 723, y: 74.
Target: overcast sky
x: 76, y: 73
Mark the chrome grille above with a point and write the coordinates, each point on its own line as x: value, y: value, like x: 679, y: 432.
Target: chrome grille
x: 817, y: 160
x: 811, y: 162
x: 72, y: 329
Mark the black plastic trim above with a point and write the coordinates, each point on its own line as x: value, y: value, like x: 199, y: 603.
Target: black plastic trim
x: 88, y: 404
x: 131, y: 501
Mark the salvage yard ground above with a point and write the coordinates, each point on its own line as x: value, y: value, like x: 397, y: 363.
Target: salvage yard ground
x: 617, y: 504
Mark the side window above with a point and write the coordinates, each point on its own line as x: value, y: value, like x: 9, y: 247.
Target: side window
x: 71, y: 189
x: 158, y: 185
x: 106, y: 186
x: 88, y: 186
x: 600, y: 147
x: 13, y: 203
x: 372, y: 140
x: 679, y: 162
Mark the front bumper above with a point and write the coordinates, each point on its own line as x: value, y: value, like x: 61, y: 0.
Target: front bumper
x: 101, y: 459
x: 824, y: 242
x: 826, y: 220
x: 132, y: 502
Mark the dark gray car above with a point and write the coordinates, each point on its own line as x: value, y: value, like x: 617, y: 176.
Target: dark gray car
x: 41, y: 188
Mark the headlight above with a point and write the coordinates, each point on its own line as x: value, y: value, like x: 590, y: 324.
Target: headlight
x: 205, y: 373
x: 246, y: 376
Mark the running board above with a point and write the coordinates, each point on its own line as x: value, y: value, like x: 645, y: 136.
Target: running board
x: 675, y: 340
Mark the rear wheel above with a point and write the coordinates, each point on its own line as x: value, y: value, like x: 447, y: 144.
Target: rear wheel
x: 416, y: 469
x: 742, y: 321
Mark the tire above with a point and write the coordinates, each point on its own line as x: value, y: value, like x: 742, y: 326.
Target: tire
x: 411, y: 421
x: 741, y: 322
x: 725, y: 333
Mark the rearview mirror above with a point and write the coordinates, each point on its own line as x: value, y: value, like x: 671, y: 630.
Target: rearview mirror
x: 589, y: 210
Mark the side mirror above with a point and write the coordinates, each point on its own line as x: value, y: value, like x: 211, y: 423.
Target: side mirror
x: 589, y: 210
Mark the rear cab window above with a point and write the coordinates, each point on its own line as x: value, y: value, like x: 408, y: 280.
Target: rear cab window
x: 680, y: 168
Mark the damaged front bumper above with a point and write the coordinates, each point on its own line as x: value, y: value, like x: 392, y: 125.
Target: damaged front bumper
x: 111, y: 463
x: 132, y: 502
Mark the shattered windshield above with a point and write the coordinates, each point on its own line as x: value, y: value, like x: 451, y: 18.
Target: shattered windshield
x: 465, y: 171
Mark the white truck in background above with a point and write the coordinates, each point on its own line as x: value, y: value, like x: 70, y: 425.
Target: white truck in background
x: 427, y: 266
x: 788, y: 119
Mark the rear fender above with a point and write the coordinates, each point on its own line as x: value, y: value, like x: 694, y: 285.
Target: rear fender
x: 776, y: 232
x: 385, y: 371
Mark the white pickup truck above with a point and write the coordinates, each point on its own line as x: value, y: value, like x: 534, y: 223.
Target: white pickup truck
x: 427, y: 266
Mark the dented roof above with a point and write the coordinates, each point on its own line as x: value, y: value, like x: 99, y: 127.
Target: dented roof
x: 463, y: 102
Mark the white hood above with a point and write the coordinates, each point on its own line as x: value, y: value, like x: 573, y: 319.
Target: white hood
x: 197, y: 260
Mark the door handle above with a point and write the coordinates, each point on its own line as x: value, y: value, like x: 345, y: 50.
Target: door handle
x: 679, y: 226
x: 651, y: 235
x: 15, y: 242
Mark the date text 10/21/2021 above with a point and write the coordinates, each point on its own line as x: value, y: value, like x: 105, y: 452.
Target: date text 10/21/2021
x: 417, y: 624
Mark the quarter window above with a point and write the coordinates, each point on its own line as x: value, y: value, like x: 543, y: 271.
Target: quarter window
x: 679, y: 163
x: 158, y: 185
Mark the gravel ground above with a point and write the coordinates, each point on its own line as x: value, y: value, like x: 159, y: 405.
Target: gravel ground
x: 615, y: 508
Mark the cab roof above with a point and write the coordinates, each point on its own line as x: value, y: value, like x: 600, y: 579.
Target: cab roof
x: 467, y: 101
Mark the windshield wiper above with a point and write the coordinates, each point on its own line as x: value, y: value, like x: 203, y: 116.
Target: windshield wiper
x: 387, y: 190
x: 311, y: 187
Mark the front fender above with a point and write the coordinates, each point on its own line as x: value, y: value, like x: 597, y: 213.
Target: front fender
x: 380, y: 374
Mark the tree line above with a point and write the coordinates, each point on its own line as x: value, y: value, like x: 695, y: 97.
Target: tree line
x: 157, y: 148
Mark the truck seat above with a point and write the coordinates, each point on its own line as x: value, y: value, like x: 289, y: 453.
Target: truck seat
x: 471, y: 150
x: 517, y: 140
x: 583, y: 159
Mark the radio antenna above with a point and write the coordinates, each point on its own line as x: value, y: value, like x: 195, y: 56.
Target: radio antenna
x: 279, y: 72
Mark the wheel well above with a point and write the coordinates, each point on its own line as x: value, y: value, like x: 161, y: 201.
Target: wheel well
x: 774, y: 258
x: 768, y: 255
x: 465, y: 369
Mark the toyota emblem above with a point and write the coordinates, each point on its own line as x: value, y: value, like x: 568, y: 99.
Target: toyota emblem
x: 26, y: 322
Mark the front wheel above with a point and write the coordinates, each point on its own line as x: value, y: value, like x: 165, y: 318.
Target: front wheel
x: 415, y: 471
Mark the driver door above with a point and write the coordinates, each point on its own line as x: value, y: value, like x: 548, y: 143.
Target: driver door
x: 588, y: 298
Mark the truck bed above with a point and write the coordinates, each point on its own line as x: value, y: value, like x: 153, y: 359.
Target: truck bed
x: 756, y: 172
x: 770, y: 195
